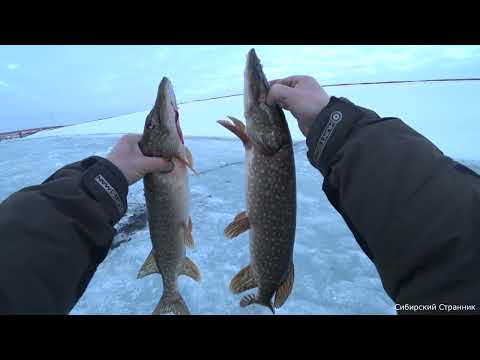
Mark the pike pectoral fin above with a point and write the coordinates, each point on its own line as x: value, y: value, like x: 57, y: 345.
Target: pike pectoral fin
x: 148, y: 267
x: 172, y: 303
x: 238, y: 128
x: 187, y: 162
x: 190, y: 269
x: 285, y: 289
x: 239, y: 225
x: 243, y: 281
x: 188, y: 154
x: 187, y: 230
x: 261, y: 146
x: 238, y: 123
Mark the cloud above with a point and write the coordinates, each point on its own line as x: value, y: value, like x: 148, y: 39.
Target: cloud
x: 460, y: 53
x: 12, y: 66
x: 373, y: 59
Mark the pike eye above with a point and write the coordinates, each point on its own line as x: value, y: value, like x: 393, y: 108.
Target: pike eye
x: 149, y: 125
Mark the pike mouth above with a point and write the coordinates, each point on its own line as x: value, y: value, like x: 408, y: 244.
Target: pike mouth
x: 256, y: 68
x: 177, y: 124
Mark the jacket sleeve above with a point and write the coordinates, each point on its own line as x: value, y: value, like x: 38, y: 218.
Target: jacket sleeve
x: 54, y: 235
x: 414, y: 211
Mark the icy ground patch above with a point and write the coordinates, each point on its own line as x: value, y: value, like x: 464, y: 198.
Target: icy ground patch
x: 332, y: 275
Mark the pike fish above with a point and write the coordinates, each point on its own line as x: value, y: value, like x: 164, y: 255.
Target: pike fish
x: 270, y: 214
x: 167, y: 200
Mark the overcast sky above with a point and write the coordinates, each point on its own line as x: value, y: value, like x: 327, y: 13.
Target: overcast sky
x: 49, y: 85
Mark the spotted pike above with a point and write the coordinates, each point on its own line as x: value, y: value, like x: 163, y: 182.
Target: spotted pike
x: 271, y: 194
x: 167, y: 200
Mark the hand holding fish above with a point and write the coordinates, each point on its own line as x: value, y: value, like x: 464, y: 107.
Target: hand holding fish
x: 126, y: 155
x: 302, y: 96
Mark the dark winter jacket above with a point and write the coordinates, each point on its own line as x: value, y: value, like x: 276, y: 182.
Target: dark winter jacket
x: 414, y: 211
x: 54, y: 235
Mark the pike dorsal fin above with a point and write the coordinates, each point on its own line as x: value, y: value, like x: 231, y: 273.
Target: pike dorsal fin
x: 190, y: 269
x: 285, y: 289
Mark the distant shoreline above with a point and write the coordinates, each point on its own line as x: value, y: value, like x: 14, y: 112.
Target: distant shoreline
x: 25, y: 132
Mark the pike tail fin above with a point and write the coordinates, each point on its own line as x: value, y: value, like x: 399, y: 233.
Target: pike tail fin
x: 172, y: 303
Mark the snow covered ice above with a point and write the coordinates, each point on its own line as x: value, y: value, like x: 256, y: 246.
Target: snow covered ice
x: 332, y: 274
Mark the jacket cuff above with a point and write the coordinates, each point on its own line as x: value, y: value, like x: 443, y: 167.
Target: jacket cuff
x: 107, y: 185
x: 330, y: 130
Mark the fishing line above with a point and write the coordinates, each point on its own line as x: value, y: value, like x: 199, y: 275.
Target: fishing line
x: 349, y: 84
